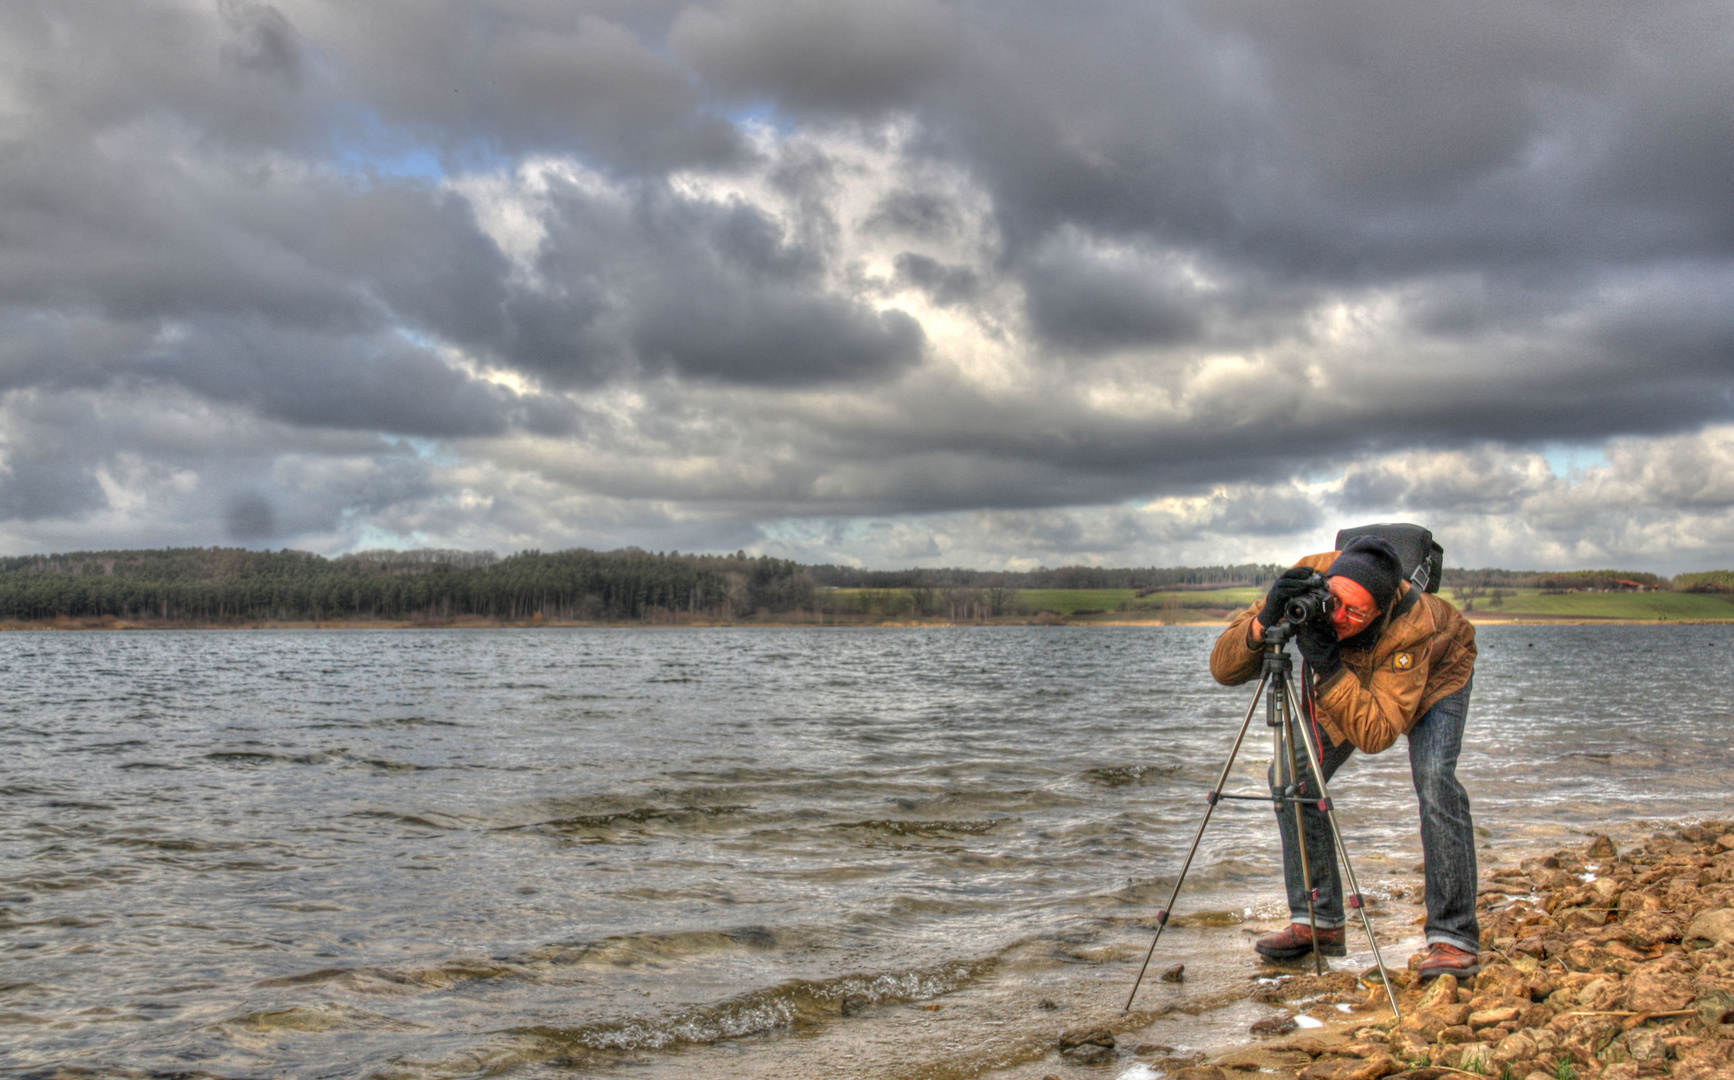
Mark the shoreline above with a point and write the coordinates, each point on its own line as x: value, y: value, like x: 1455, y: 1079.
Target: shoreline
x: 813, y: 623
x: 1597, y: 964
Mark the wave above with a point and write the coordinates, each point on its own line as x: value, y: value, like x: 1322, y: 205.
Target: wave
x: 903, y: 827
x: 1114, y: 776
x: 263, y: 757
x: 627, y: 950
x: 782, y: 1007
x: 610, y: 820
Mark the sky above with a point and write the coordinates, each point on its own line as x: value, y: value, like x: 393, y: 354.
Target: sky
x: 891, y: 283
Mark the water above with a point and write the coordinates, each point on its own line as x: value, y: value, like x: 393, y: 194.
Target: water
x: 792, y: 853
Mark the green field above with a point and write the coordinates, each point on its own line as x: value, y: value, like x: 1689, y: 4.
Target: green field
x: 1642, y: 607
x: 1217, y: 605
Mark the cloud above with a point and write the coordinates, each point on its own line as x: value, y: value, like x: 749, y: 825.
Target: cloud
x: 902, y: 280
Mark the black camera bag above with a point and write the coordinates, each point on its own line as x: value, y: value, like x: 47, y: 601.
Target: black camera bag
x: 1423, y: 558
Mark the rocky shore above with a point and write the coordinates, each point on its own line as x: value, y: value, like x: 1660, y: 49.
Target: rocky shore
x: 1596, y: 964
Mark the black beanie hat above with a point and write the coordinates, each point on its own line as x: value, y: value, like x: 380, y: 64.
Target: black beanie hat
x: 1371, y: 562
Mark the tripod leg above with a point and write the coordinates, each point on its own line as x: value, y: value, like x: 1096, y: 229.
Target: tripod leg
x: 1286, y: 714
x: 1353, y: 899
x: 1209, y: 808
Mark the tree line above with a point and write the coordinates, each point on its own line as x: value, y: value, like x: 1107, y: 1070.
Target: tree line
x: 207, y: 585
x: 232, y: 584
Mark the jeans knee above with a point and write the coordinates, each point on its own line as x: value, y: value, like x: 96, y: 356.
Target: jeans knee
x: 1438, y: 787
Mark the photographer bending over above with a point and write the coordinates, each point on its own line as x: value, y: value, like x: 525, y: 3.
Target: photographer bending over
x: 1391, y: 660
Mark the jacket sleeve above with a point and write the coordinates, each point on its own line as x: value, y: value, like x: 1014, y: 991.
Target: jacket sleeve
x: 1372, y: 716
x: 1238, y: 657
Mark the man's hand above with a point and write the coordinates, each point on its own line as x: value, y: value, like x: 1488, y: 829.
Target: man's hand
x: 1291, y: 584
x: 1318, y: 646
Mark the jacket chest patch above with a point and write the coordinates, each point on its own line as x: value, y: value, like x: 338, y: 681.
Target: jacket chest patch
x: 1403, y: 661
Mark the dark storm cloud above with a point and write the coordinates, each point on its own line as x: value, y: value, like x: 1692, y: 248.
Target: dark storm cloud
x: 947, y: 285
x: 1091, y: 304
x: 1197, y: 244
x: 815, y: 55
x: 250, y: 518
x: 668, y: 284
x: 538, y: 76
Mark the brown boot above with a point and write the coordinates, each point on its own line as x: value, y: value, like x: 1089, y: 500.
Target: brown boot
x: 1299, y: 939
x: 1442, y: 959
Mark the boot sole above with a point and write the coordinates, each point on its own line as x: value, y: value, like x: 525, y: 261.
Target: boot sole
x: 1428, y: 975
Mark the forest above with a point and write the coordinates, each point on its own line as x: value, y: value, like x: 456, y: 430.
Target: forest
x: 222, y: 586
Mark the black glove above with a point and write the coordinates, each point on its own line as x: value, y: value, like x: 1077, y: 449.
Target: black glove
x: 1291, y: 584
x: 1318, y: 647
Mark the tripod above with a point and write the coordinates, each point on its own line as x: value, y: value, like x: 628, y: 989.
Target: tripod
x: 1276, y: 689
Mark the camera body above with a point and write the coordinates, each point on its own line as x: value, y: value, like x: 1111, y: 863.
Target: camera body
x: 1314, y: 604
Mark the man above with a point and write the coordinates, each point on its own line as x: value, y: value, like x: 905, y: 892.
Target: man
x: 1392, y: 661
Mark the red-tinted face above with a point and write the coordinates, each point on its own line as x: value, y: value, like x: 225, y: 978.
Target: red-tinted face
x: 1355, y: 609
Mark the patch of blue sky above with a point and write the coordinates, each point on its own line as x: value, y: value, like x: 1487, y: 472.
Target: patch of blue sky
x: 415, y: 163
x: 432, y: 451
x: 1567, y: 459
x: 364, y: 144
x: 761, y: 114
x: 373, y: 538
x: 416, y: 337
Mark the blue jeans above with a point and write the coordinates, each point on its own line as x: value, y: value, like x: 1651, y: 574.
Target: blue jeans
x: 1447, y: 833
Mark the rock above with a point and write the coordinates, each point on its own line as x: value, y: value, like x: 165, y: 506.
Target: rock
x: 1373, y: 1068
x: 1714, y: 1009
x: 1461, y: 1034
x: 1658, y: 991
x: 1175, y: 974
x: 1198, y: 1072
x: 1599, y: 994
x: 1260, y: 1058
x: 1493, y: 1017
x: 1425, y: 1025
x: 1280, y: 1024
x: 1405, y: 1046
x: 856, y: 1004
x: 1647, y: 929
x: 1087, y: 1046
x: 1601, y: 848
x: 1646, y: 1044
x: 1455, y: 1015
x: 1500, y: 978
x: 1470, y: 1057
x: 1716, y: 927
x: 1442, y: 992
x: 1517, y: 1046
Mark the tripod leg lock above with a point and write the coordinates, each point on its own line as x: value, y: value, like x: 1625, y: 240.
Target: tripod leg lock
x: 1324, y: 806
x: 1162, y: 917
x: 1354, y: 900
x: 1212, y: 797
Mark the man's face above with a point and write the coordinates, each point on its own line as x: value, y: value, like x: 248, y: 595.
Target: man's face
x: 1355, y: 609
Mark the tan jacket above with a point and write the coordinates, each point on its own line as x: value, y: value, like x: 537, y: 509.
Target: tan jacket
x: 1424, y: 652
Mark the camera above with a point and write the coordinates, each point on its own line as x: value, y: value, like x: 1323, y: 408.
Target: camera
x: 1316, y: 603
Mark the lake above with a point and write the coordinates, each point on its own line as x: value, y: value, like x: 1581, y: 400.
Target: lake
x: 718, y: 852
